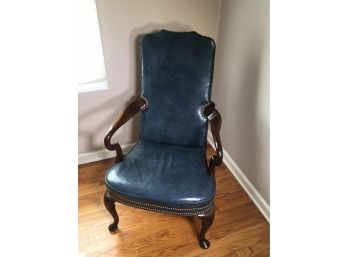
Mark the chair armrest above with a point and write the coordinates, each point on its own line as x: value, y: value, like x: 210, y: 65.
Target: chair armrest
x: 215, y: 123
x: 139, y: 105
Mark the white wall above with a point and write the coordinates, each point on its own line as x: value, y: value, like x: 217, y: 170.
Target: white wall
x: 121, y: 22
x: 241, y: 87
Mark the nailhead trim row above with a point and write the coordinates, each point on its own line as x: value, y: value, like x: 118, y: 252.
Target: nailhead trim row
x: 162, y: 207
x: 146, y: 103
x: 202, y: 109
x: 163, y: 211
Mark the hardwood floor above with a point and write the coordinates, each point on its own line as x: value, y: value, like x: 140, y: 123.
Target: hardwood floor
x: 239, y: 229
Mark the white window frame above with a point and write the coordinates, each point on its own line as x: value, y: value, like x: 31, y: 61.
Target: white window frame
x: 94, y: 85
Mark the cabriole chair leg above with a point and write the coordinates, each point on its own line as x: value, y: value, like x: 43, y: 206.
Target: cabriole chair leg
x: 207, y: 221
x: 109, y: 202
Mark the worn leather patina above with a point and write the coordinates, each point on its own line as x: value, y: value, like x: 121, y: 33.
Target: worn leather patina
x: 177, y: 72
x: 167, y: 170
x: 163, y: 174
x: 167, y: 167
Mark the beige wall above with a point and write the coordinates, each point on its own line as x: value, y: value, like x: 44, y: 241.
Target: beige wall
x: 241, y: 88
x: 121, y: 22
x: 241, y: 82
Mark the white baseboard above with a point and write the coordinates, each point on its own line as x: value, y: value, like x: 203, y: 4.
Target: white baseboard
x: 255, y: 196
x: 101, y: 155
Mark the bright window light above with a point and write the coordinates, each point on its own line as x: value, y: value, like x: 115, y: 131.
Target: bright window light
x: 91, y: 67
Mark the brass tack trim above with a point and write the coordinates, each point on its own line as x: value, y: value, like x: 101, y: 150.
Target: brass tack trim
x: 163, y: 211
x: 146, y: 103
x: 164, y: 207
x: 203, y: 108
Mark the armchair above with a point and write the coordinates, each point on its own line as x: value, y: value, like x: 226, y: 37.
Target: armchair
x: 167, y: 170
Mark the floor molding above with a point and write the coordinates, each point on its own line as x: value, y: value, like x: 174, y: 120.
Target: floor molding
x: 101, y: 155
x: 255, y: 196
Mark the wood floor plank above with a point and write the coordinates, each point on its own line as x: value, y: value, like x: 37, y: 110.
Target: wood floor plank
x: 239, y: 229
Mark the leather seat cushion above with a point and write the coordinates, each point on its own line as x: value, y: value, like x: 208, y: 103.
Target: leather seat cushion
x: 163, y: 174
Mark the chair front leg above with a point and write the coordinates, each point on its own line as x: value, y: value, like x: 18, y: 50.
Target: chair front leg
x: 109, y: 202
x: 207, y: 220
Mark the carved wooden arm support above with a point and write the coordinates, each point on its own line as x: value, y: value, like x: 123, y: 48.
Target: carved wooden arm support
x: 132, y: 109
x: 215, y: 123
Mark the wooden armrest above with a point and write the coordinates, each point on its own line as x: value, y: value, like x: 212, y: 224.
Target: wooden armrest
x: 215, y: 123
x: 132, y: 109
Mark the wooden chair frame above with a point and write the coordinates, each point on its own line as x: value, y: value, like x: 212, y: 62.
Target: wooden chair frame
x: 207, y: 216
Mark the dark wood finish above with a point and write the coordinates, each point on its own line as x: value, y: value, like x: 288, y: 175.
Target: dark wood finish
x: 207, y: 221
x: 215, y: 123
x: 138, y: 105
x: 239, y: 228
x: 216, y: 160
x: 109, y: 202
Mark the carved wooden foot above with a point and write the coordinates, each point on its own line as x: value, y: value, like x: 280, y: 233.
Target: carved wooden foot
x: 207, y: 221
x: 109, y: 202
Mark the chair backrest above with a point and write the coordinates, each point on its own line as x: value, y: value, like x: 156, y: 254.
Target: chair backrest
x: 177, y: 74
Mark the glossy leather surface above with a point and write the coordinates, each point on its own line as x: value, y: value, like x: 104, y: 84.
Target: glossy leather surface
x: 177, y: 72
x: 163, y: 174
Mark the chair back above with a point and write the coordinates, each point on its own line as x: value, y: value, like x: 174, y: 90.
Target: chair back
x: 177, y: 73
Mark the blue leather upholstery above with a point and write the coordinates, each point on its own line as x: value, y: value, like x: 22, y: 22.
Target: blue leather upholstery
x: 168, y: 166
x: 167, y: 175
x: 177, y: 72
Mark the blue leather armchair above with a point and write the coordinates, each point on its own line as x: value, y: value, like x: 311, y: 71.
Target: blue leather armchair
x: 167, y: 170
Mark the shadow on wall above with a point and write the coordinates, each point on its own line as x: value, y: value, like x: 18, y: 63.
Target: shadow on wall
x: 92, y: 136
x: 241, y: 88
x: 252, y: 114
